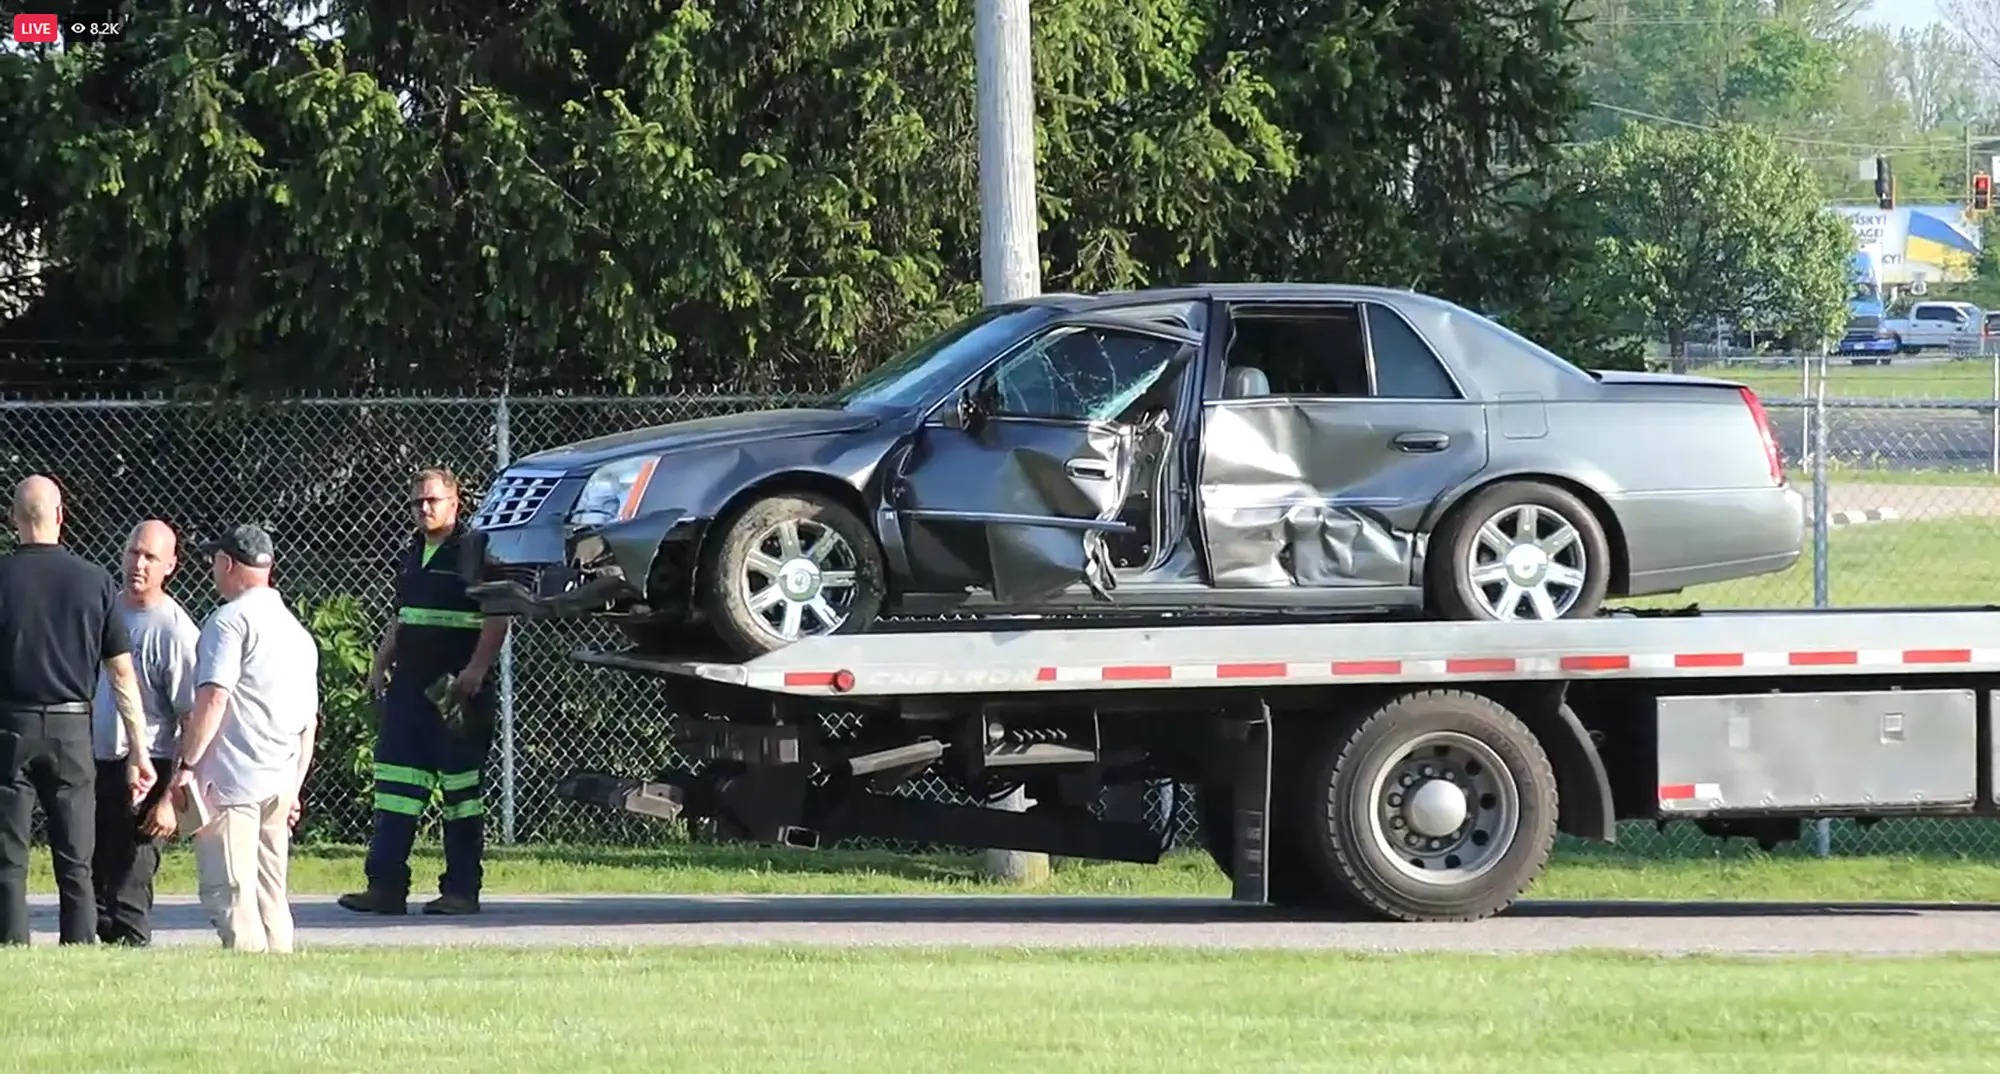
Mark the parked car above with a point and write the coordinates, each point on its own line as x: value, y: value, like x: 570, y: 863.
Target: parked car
x: 1240, y: 450
x: 1937, y: 325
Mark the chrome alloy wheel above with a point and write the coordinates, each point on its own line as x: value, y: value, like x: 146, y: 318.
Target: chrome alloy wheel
x: 1445, y: 809
x: 1528, y: 554
x: 795, y: 568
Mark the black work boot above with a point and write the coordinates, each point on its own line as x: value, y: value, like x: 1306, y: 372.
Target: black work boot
x: 375, y: 901
x: 453, y: 905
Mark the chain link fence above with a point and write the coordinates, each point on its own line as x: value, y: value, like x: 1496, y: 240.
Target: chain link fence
x: 1905, y: 457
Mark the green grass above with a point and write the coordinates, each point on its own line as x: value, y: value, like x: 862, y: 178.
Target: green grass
x: 1969, y: 379
x: 1949, y: 561
x: 924, y: 1011
x: 1733, y: 871
x: 1866, y: 475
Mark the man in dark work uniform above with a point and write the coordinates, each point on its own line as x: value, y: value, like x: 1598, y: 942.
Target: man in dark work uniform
x: 438, y: 634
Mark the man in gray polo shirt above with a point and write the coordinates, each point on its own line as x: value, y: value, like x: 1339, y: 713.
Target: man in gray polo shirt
x: 248, y: 744
x: 129, y: 837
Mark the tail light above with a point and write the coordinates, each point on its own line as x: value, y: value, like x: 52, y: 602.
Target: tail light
x: 1763, y: 420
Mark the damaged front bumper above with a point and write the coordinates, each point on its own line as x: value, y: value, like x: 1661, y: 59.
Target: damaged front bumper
x: 545, y: 570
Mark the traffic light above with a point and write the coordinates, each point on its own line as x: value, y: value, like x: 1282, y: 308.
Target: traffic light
x: 1885, y: 183
x: 1982, y: 192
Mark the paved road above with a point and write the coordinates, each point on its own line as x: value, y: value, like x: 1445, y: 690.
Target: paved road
x: 1902, y: 438
x: 1536, y: 926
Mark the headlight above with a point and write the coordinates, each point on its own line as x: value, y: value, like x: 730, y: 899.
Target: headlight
x: 613, y: 493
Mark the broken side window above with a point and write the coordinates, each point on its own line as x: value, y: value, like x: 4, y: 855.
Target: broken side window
x: 1084, y: 373
x: 1315, y: 349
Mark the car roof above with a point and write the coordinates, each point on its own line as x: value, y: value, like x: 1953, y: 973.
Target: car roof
x: 1109, y: 301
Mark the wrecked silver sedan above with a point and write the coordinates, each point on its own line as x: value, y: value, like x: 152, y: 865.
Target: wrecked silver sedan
x: 1221, y: 451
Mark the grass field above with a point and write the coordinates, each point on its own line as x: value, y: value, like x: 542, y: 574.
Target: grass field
x: 1949, y: 561
x: 1734, y: 871
x: 889, y: 1011
x: 1866, y: 475
x: 1971, y: 379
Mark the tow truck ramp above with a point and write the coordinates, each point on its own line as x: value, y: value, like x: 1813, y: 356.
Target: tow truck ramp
x: 1411, y: 770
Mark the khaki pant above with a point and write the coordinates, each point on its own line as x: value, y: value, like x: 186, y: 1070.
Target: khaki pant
x: 241, y: 864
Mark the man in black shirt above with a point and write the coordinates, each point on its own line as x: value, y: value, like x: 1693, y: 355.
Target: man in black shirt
x: 58, y: 625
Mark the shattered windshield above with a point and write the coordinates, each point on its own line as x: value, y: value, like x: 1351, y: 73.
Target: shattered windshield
x: 939, y: 363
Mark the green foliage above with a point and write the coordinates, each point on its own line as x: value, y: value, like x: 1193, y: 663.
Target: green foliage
x: 343, y: 765
x: 1701, y: 225
x: 635, y: 195
x: 1714, y: 61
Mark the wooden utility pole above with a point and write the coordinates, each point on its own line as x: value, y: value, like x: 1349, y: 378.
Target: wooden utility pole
x: 1010, y: 263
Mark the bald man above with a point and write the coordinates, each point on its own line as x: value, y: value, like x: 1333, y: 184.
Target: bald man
x: 58, y: 625
x: 163, y: 646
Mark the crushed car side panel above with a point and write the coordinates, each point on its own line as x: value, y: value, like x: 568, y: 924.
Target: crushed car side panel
x: 1327, y: 492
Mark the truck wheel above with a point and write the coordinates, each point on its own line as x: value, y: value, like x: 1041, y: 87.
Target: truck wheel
x: 1439, y: 806
x: 1520, y: 550
x: 790, y: 566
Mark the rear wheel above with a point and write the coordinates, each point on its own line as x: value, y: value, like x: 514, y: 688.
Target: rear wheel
x: 1520, y: 550
x: 1439, y: 806
x: 791, y: 566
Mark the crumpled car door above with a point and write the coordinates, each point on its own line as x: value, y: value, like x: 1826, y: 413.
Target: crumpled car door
x: 1037, y: 461
x: 1084, y: 476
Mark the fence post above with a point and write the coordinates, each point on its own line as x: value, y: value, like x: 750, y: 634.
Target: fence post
x: 503, y: 451
x: 1822, y: 829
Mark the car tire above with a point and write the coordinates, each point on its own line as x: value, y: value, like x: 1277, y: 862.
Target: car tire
x: 1454, y: 594
x: 728, y: 575
x: 1380, y: 813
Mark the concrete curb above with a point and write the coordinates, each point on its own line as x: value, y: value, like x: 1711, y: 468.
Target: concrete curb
x: 1862, y: 517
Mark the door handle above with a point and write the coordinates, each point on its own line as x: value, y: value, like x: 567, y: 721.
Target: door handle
x: 1088, y: 468
x: 1414, y: 442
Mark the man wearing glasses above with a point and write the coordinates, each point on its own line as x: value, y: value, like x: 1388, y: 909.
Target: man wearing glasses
x: 436, y: 702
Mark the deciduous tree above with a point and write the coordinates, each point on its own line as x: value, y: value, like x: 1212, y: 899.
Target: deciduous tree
x: 1699, y: 225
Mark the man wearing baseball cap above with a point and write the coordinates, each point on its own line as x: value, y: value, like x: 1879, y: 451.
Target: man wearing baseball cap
x: 248, y: 743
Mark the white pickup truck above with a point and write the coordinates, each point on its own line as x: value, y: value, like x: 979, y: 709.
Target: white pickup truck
x: 1937, y: 326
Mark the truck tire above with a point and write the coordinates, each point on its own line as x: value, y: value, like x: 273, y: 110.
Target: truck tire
x: 1437, y: 806
x: 759, y: 554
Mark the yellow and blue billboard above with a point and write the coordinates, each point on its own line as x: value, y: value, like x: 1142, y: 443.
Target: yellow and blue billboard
x: 1931, y: 243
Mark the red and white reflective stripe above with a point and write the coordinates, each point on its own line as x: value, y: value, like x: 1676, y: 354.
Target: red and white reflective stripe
x: 1580, y: 665
x: 1690, y: 792
x: 1477, y: 666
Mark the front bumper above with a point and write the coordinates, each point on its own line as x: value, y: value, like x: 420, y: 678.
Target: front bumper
x: 1865, y: 346
x: 543, y: 570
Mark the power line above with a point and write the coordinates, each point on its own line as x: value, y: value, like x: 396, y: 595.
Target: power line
x: 1709, y: 128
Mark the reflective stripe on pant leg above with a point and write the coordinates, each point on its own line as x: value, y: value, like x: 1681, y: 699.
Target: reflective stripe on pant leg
x: 462, y: 795
x: 403, y: 789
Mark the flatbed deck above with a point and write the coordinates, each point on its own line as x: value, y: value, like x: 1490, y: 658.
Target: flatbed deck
x: 1846, y: 642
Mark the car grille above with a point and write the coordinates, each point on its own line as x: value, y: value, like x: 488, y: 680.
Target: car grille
x: 514, y: 499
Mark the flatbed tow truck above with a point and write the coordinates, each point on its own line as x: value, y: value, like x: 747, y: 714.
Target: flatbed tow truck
x: 1415, y: 771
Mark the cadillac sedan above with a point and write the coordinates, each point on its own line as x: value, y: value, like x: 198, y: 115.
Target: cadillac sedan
x: 1228, y: 451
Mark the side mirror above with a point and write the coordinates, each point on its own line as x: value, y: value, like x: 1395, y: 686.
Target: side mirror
x: 971, y: 412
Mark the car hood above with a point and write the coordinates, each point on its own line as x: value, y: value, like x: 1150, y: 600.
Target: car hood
x: 723, y: 430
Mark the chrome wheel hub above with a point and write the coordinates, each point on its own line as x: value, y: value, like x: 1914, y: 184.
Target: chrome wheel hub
x: 1527, y: 562
x: 797, y: 570
x: 1446, y: 809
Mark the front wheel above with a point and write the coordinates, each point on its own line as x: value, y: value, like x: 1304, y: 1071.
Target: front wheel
x: 1439, y: 806
x: 791, y: 566
x: 1520, y: 550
